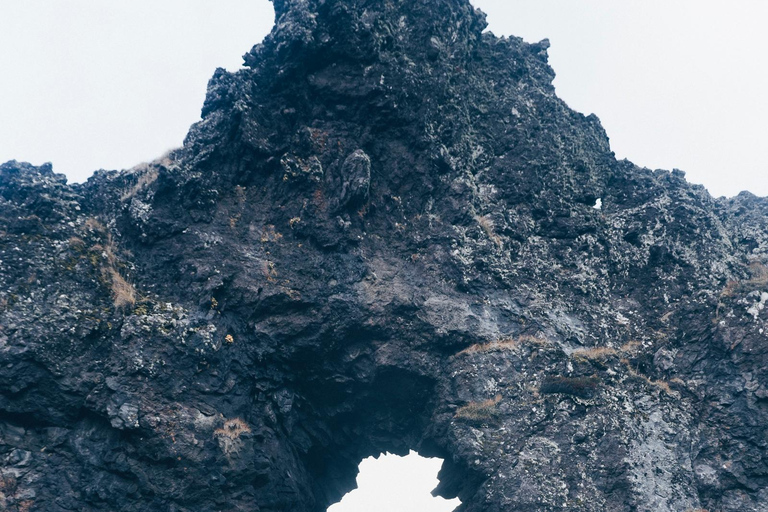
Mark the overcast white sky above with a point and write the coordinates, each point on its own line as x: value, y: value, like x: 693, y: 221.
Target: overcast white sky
x: 89, y: 84
x: 396, y: 484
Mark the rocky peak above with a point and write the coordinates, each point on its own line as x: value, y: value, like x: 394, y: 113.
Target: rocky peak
x: 434, y: 27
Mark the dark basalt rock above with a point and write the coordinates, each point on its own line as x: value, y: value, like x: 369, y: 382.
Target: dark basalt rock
x: 381, y: 237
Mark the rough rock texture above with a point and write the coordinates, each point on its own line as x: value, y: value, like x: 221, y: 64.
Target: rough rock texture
x: 381, y: 236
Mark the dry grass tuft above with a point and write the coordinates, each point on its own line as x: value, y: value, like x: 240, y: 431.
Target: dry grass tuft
x: 486, y: 223
x: 479, y: 411
x: 123, y: 292
x: 229, y: 435
x: 659, y: 384
x: 232, y: 429
x: 8, y: 484
x: 538, y: 341
x: 146, y: 173
x: 494, y: 346
x: 268, y: 234
x: 730, y: 289
x: 594, y: 353
x: 631, y: 347
x: 145, y: 179
x: 93, y: 224
x: 603, y: 353
x: 758, y: 279
x: 76, y: 243
x: 504, y: 344
x: 759, y: 275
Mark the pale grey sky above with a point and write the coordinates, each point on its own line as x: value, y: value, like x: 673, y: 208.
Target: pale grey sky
x: 396, y: 484
x: 89, y: 84
x: 676, y: 83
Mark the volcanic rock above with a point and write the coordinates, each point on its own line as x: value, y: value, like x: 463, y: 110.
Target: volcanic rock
x: 382, y: 237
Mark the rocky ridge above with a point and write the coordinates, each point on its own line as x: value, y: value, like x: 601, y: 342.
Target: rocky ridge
x: 382, y: 236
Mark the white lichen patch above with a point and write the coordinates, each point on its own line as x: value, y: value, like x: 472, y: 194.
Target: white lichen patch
x: 757, y: 307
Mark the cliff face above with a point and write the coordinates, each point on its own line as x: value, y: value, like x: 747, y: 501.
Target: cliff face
x: 381, y: 236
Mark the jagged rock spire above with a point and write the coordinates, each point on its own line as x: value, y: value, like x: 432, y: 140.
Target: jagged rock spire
x: 361, y: 29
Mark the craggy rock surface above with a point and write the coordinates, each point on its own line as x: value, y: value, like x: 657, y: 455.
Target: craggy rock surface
x: 381, y: 236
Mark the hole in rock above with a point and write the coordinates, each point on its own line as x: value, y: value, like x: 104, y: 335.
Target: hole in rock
x: 396, y: 484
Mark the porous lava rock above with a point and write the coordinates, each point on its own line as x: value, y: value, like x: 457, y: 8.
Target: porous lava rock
x: 382, y: 236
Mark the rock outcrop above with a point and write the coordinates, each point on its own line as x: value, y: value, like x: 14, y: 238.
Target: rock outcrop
x: 382, y: 236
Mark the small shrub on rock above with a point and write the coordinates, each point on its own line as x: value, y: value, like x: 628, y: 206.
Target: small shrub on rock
x: 582, y: 387
x: 480, y: 412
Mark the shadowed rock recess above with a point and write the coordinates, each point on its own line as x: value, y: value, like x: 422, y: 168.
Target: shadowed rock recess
x: 382, y: 236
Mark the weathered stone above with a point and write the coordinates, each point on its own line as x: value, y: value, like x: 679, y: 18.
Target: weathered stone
x: 382, y: 236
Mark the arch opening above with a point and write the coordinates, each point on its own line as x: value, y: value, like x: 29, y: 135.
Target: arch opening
x: 390, y: 482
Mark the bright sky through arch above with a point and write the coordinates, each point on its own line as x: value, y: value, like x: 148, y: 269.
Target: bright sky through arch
x: 396, y: 484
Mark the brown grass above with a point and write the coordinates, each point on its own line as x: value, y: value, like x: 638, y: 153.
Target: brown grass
x: 93, y: 224
x: 758, y: 279
x: 486, y: 223
x: 660, y: 384
x: 229, y: 435
x: 631, y: 347
x: 504, y: 344
x: 319, y: 138
x: 534, y: 340
x: 123, y: 292
x: 148, y: 177
x: 76, y: 243
x: 602, y: 353
x: 479, y: 411
x: 232, y: 429
x: 759, y: 276
x: 594, y: 353
x: 269, y: 234
x: 269, y: 271
x: 494, y: 346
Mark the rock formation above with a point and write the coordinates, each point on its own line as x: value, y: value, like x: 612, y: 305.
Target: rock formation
x: 382, y: 236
